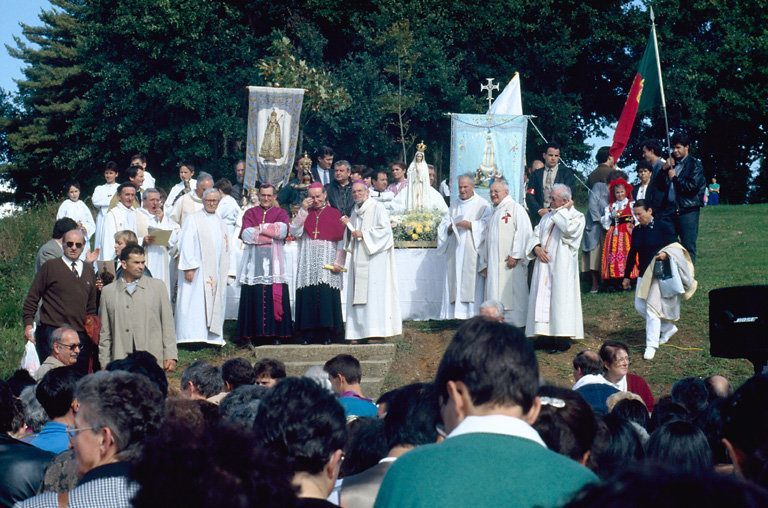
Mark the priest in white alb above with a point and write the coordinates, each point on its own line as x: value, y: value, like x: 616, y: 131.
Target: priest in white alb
x: 122, y: 217
x: 459, y: 237
x: 150, y: 219
x: 554, y: 305
x: 373, y: 305
x: 102, y: 196
x: 503, y: 257
x: 191, y: 202
x: 203, y: 265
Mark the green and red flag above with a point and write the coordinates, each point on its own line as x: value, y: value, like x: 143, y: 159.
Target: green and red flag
x: 644, y: 95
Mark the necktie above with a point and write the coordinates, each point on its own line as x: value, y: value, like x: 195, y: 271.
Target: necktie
x: 74, y: 267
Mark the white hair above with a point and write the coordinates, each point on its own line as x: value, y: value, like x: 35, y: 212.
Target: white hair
x: 562, y: 190
x: 210, y: 191
x: 468, y: 176
x: 495, y: 305
x: 501, y: 182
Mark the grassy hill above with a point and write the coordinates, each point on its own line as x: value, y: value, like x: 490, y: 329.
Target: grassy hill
x: 732, y: 252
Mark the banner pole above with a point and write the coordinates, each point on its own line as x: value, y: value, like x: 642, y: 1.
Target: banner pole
x: 661, y: 82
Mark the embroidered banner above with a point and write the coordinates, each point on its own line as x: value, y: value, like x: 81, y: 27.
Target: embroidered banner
x: 488, y: 147
x: 273, y: 129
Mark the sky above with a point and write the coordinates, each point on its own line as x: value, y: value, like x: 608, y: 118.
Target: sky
x: 13, y: 13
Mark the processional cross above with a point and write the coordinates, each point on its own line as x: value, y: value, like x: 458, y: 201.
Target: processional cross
x: 490, y: 87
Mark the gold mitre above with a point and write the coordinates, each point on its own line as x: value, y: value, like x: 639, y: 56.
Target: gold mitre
x: 421, y: 147
x: 306, y: 159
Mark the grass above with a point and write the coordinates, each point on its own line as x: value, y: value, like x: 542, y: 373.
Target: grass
x: 731, y: 248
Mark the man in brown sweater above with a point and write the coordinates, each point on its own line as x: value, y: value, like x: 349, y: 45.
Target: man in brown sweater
x: 66, y: 286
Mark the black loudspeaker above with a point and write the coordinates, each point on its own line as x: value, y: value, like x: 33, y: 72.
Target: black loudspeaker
x: 738, y: 324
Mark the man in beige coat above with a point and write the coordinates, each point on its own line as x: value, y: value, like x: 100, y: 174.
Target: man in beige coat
x: 136, y: 314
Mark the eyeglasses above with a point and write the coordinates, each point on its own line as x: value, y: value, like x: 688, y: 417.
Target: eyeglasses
x: 72, y: 432
x: 74, y: 244
x: 623, y: 359
x: 71, y: 347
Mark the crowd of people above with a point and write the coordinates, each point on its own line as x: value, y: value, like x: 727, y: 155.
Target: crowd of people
x: 486, y: 431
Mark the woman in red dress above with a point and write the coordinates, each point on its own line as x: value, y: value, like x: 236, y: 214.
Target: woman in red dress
x: 618, y: 220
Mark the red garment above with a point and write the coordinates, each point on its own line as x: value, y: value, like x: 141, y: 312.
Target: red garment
x: 257, y: 216
x: 637, y: 385
x: 326, y: 221
x: 616, y: 246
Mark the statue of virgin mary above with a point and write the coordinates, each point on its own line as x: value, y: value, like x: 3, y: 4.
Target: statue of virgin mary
x: 418, y: 179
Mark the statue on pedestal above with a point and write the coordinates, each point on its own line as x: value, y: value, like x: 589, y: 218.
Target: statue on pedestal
x: 418, y: 179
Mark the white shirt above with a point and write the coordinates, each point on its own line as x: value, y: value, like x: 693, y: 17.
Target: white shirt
x: 78, y: 265
x: 497, y: 424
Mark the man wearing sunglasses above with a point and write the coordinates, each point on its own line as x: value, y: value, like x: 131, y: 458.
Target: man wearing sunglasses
x: 65, y: 348
x: 65, y: 288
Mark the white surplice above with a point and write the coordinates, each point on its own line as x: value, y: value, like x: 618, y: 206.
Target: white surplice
x: 186, y: 206
x: 554, y: 305
x: 203, y: 247
x: 229, y: 212
x: 171, y: 200
x: 157, y: 256
x: 507, y: 234
x: 373, y: 304
x: 464, y: 287
x: 102, y: 195
x: 78, y: 212
x: 118, y: 218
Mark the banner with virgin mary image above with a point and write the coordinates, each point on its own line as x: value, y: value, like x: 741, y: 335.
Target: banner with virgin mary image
x: 488, y: 147
x: 273, y: 129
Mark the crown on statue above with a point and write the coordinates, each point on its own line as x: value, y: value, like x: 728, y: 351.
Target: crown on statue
x: 421, y: 147
x: 306, y: 159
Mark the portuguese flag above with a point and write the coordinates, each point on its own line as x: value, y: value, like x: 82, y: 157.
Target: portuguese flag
x: 643, y: 96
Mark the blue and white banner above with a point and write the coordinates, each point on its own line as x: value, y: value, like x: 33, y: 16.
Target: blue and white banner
x: 488, y: 147
x: 273, y: 129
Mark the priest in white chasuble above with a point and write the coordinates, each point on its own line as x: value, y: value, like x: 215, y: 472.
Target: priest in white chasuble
x: 120, y: 218
x: 554, y: 305
x: 203, y: 265
x: 459, y: 237
x: 503, y: 256
x: 373, y: 304
x: 148, y: 219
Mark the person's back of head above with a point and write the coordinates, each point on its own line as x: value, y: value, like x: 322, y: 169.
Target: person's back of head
x: 692, y: 394
x: 494, y: 361
x: 566, y: 422
x: 645, y: 485
x: 299, y: 420
x: 240, y: 406
x: 318, y: 374
x: 602, y: 154
x: 413, y: 413
x: 718, y: 387
x: 745, y: 429
x: 62, y: 226
x: 56, y: 390
x: 633, y: 411
x: 20, y: 379
x: 345, y: 365
x: 682, y: 444
x: 366, y: 445
x: 144, y: 363
x: 617, y: 445
x: 237, y: 372
x: 710, y: 422
x: 35, y: 416
x: 7, y: 408
x: 666, y: 410
x: 587, y: 362
x: 203, y: 379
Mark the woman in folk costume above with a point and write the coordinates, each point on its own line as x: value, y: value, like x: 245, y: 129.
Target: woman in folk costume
x: 618, y: 220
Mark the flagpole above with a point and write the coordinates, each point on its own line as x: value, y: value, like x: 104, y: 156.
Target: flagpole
x: 661, y: 82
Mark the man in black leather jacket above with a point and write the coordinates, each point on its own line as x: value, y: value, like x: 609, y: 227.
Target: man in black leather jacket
x: 682, y: 184
x: 22, y: 465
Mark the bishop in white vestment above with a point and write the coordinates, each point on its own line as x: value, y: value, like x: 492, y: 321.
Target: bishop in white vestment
x: 373, y: 305
x: 503, y: 255
x: 554, y: 305
x: 120, y: 218
x: 459, y: 237
x: 203, y: 265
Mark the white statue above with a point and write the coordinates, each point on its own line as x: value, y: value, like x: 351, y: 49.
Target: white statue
x: 418, y: 179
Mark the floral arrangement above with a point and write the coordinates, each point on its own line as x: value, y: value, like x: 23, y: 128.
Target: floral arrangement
x: 416, y: 226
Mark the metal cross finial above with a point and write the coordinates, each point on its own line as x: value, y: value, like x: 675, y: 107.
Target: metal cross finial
x: 490, y: 87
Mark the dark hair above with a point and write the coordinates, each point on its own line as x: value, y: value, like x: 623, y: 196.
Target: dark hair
x: 346, y: 365
x: 366, y: 446
x: 20, y: 379
x: 299, y: 420
x: 125, y: 185
x: 240, y: 405
x: 602, y: 154
x: 139, y: 156
x: 238, y: 372
x: 617, y: 445
x: 189, y: 166
x: 72, y: 183
x: 549, y: 145
x: 588, y: 362
x: 144, y: 363
x: 494, y: 360
x: 568, y: 430
x: 323, y: 151
x: 680, y: 138
x: 132, y: 172
x: 682, y: 444
x: 666, y: 410
x: 652, y: 146
x: 745, y: 425
x: 691, y: 393
x: 610, y: 348
x: 224, y: 185
x: 131, y: 248
x: 711, y: 424
x: 642, y: 203
x: 274, y: 369
x: 204, y: 377
x: 111, y: 166
x: 8, y: 408
x: 128, y: 404
x: 56, y: 390
x: 615, y: 175
x: 398, y: 164
x: 643, y: 164
x: 62, y: 226
x: 644, y: 485
x: 633, y: 411
x: 413, y: 413
x: 359, y: 168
